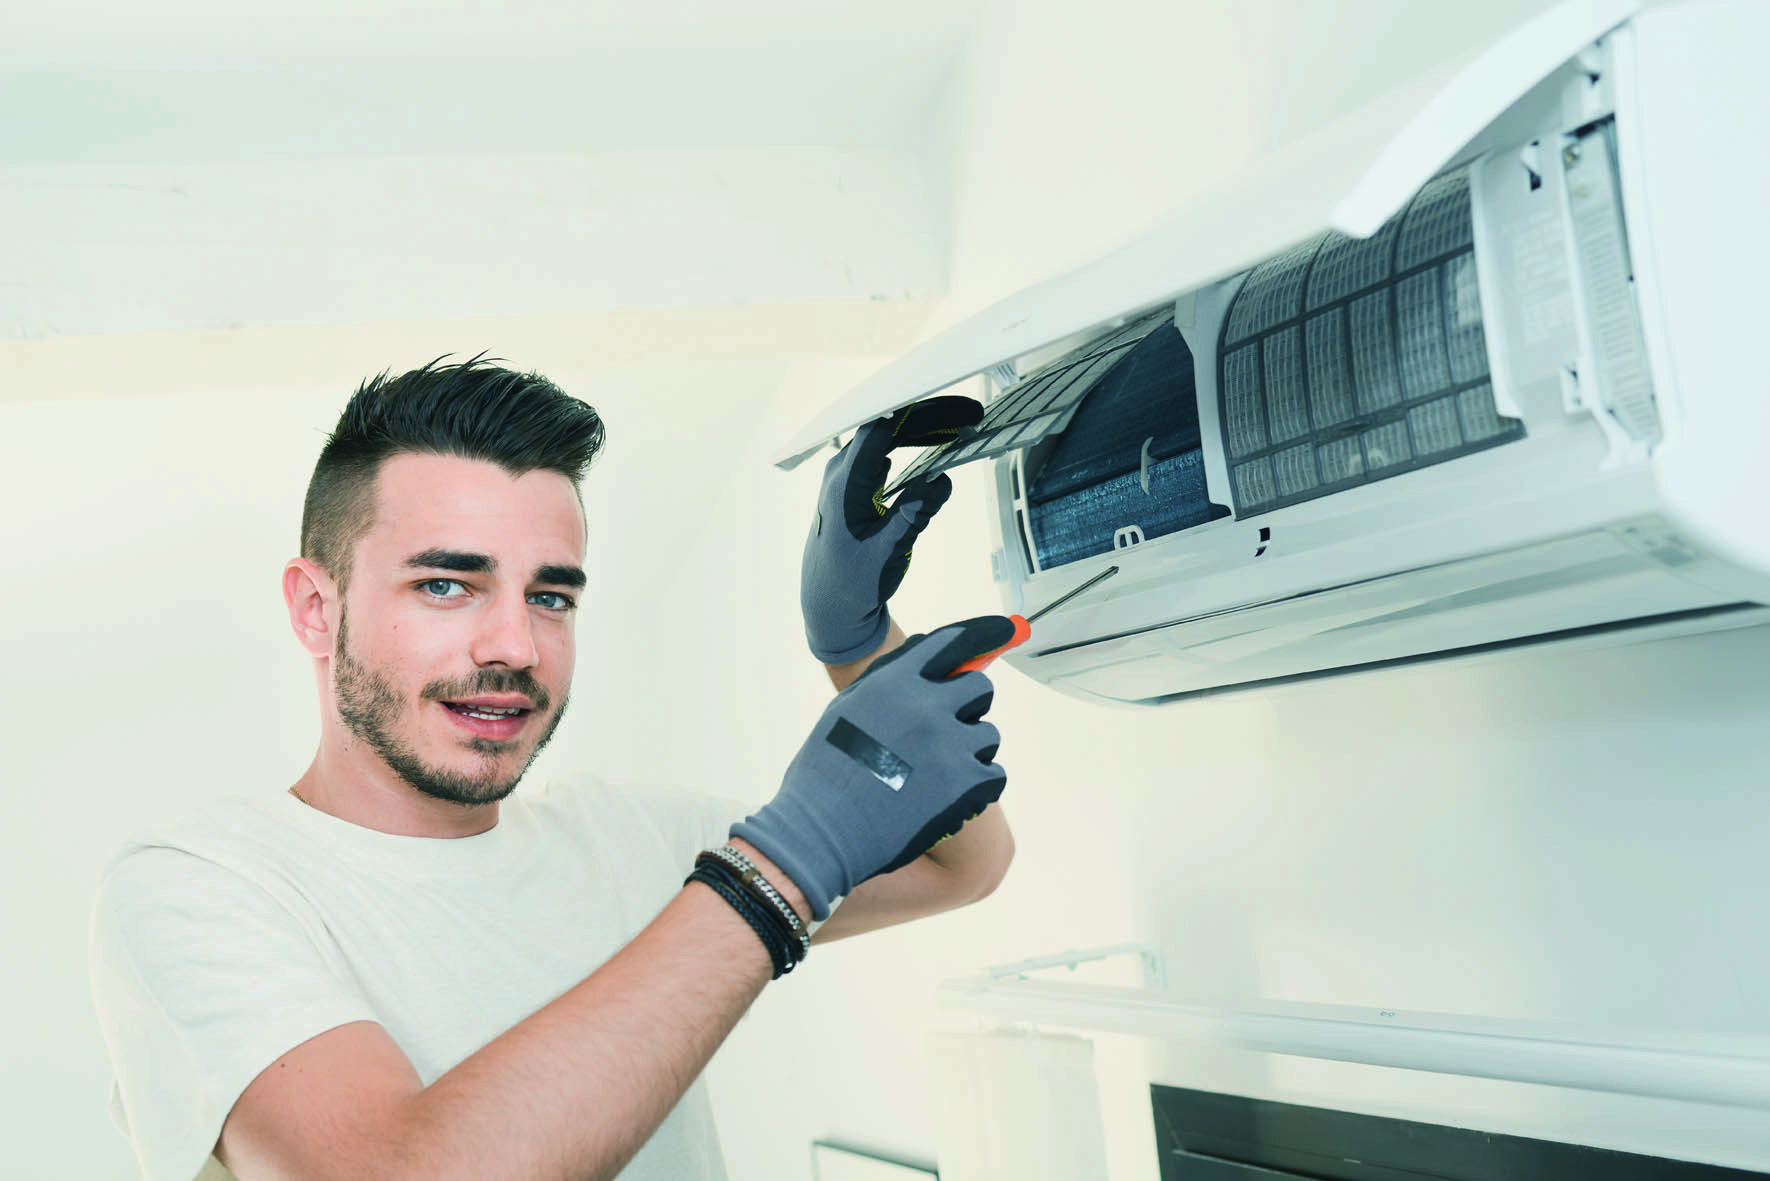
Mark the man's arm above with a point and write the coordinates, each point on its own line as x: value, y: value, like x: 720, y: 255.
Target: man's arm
x: 959, y: 871
x: 844, y: 675
x: 572, y: 1091
x: 962, y: 869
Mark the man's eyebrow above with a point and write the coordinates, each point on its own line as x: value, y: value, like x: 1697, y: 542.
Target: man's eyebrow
x: 465, y: 563
x: 571, y: 576
x: 450, y: 559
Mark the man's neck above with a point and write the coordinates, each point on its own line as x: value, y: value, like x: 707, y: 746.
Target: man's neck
x: 388, y: 804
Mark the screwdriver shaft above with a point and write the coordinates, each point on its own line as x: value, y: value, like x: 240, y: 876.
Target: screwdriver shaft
x: 1062, y: 599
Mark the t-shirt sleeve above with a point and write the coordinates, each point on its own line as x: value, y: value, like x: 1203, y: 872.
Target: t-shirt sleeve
x: 201, y: 980
x: 693, y: 821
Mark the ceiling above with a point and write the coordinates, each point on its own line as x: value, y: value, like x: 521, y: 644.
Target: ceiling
x: 454, y: 27
x: 185, y: 80
x: 201, y: 165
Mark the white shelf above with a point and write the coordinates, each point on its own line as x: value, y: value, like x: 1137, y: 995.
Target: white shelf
x: 1702, y: 1068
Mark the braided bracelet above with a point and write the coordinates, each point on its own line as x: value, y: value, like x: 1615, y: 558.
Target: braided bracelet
x: 794, y: 948
x: 723, y: 882
x: 798, y: 946
x: 753, y: 880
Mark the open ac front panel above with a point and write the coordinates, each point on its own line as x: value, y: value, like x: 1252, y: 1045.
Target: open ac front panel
x: 1478, y: 368
x: 1433, y: 442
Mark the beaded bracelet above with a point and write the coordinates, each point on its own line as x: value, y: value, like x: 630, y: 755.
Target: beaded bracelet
x: 721, y: 881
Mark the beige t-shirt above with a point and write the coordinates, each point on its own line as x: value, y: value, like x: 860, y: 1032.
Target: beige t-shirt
x: 229, y: 938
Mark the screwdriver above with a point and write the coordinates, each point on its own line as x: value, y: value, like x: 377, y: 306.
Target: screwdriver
x: 1023, y: 625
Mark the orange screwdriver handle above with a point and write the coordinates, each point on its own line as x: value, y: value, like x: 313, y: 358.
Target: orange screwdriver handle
x: 1022, y: 633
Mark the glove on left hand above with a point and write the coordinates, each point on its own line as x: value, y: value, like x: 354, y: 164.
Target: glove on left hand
x: 900, y: 760
x: 858, y: 549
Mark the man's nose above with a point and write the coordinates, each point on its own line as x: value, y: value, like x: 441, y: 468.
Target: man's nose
x: 506, y: 634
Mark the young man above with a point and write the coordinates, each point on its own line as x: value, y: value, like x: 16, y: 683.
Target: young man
x: 395, y: 968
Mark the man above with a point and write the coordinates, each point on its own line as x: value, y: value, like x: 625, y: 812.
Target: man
x: 396, y: 969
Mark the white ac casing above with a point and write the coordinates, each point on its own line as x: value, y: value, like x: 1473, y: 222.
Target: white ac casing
x: 1637, y: 502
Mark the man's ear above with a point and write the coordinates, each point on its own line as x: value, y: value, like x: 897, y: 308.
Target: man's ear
x: 312, y: 598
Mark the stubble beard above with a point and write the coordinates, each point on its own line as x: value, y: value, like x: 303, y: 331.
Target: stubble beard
x: 368, y: 705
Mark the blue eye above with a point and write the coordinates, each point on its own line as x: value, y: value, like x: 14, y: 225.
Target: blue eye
x: 566, y: 603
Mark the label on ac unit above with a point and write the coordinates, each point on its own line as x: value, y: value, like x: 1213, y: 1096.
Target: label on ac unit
x: 1653, y: 538
x: 1604, y: 287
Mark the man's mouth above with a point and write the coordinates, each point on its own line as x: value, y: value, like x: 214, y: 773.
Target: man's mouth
x: 485, y: 712
x: 484, y: 721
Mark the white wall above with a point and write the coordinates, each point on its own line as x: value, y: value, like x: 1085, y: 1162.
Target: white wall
x: 1084, y: 123
x: 177, y: 247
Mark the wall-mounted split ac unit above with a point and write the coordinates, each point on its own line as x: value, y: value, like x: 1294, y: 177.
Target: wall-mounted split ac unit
x: 1478, y: 368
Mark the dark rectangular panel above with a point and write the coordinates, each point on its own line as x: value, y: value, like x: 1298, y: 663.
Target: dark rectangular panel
x: 1199, y: 1131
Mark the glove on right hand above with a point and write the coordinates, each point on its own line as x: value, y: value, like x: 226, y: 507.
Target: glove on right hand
x: 898, y: 762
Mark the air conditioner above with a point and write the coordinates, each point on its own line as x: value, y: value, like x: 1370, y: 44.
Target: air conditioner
x: 1477, y: 368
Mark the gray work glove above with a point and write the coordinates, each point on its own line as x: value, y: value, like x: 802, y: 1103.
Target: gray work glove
x: 859, y: 548
x: 899, y: 762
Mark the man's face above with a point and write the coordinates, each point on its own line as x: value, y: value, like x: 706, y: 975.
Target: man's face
x: 464, y: 589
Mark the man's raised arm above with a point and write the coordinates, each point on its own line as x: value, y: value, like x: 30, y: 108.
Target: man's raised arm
x: 856, y: 556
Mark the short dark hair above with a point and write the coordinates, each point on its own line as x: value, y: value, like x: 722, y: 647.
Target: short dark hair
x: 475, y: 410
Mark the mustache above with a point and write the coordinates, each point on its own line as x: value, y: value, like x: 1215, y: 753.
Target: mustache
x: 523, y: 685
